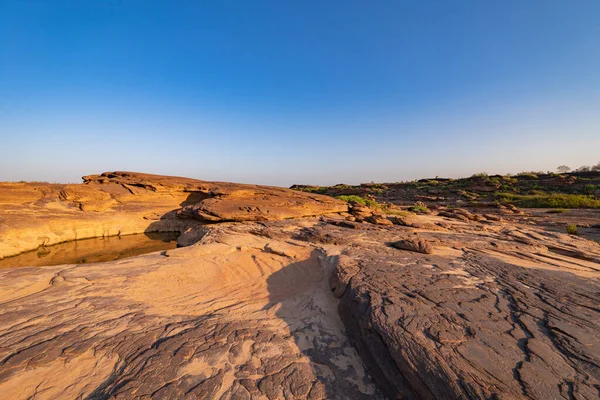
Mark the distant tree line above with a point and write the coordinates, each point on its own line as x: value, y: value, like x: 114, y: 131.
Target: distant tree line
x: 563, y: 169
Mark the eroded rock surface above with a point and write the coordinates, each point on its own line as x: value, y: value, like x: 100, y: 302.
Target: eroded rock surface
x: 238, y: 315
x: 113, y: 203
x: 305, y: 308
x: 510, y: 312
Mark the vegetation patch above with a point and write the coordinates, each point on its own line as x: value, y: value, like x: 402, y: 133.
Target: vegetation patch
x: 572, y: 229
x: 552, y: 200
x: 317, y: 189
x: 399, y: 213
x: 419, y: 209
x: 360, y: 200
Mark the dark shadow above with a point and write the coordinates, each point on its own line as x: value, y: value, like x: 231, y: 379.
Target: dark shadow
x: 194, y: 198
x: 178, y: 222
x: 309, y: 309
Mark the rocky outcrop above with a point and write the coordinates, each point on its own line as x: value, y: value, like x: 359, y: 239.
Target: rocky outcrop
x: 124, y: 203
x: 312, y: 308
x: 497, y: 314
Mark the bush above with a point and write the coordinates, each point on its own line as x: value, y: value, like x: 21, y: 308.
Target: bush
x: 530, y: 175
x: 590, y: 189
x: 572, y: 229
x: 316, y: 189
x: 419, y: 209
x: 553, y: 200
x: 399, y: 213
x: 360, y: 200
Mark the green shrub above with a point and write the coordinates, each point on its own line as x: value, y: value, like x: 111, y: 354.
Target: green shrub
x: 360, y: 200
x: 417, y: 209
x: 317, y: 189
x: 552, y: 200
x: 531, y: 175
x: 556, y: 211
x: 572, y: 229
x: 342, y: 186
x: 399, y: 213
x: 590, y: 189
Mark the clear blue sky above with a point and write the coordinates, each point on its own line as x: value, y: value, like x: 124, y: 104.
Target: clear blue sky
x: 283, y: 92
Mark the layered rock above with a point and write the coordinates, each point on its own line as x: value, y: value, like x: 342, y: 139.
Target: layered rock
x: 120, y: 203
x: 238, y: 315
x: 461, y: 306
x: 506, y: 313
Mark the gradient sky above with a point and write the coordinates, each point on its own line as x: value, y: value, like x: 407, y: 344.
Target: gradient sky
x: 283, y: 92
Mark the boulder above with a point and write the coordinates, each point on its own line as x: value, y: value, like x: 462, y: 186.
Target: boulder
x: 414, y: 244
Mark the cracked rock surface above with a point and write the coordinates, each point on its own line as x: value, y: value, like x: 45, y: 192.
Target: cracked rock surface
x: 308, y: 308
x: 511, y: 312
x: 230, y: 317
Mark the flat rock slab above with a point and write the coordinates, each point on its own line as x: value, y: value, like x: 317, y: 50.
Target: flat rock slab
x: 237, y: 315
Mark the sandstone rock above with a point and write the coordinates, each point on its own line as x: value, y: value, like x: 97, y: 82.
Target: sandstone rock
x: 213, y: 320
x: 126, y: 202
x: 378, y: 220
x: 476, y: 323
x: 345, y: 224
x: 493, y: 217
x: 419, y: 245
x: 449, y: 214
x: 345, y: 269
x: 248, y: 311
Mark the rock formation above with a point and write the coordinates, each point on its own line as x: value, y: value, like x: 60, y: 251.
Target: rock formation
x: 124, y: 203
x: 264, y: 306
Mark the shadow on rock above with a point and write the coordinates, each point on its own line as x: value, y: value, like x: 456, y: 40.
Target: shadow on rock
x: 330, y: 367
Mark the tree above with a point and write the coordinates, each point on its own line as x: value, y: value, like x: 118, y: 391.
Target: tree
x: 563, y: 169
x: 584, y: 168
x: 596, y: 167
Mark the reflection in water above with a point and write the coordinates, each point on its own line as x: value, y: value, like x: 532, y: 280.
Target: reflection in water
x: 94, y: 250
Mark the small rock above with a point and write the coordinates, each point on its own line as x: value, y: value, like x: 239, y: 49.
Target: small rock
x: 378, y: 220
x: 492, y: 217
x: 419, y: 245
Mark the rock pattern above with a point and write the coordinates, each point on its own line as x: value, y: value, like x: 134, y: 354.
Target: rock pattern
x: 224, y: 201
x: 113, y: 203
x: 238, y: 315
x: 508, y: 313
x: 306, y: 308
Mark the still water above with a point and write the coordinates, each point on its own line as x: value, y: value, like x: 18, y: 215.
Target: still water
x: 94, y: 250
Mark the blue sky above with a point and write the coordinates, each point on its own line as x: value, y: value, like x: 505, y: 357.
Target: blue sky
x: 283, y: 92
